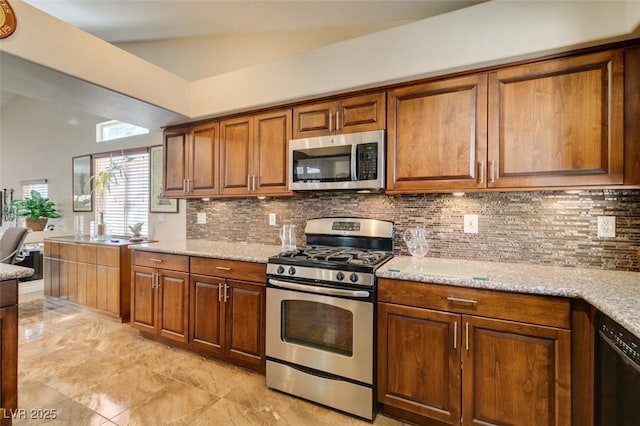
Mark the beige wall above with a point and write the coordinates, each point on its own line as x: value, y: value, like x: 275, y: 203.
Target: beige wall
x: 38, y: 141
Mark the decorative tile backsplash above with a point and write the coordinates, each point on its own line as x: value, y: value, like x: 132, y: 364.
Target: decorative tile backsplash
x: 550, y: 228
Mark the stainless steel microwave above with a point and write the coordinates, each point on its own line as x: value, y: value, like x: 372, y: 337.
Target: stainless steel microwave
x: 353, y: 161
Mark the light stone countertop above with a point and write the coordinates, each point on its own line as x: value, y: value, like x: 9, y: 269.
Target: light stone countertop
x: 248, y: 252
x: 11, y: 272
x: 616, y: 293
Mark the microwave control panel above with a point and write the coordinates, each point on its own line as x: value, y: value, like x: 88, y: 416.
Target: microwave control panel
x: 367, y: 161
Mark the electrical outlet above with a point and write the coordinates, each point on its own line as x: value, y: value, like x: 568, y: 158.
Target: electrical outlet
x: 470, y: 223
x: 606, y: 226
x: 201, y: 218
x: 272, y: 219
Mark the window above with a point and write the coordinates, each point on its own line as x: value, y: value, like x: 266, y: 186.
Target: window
x: 128, y: 201
x: 114, y: 129
x: 39, y: 185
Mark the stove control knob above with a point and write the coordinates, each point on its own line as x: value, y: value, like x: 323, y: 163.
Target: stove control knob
x: 292, y: 270
x: 354, y: 277
x: 280, y: 269
x: 340, y: 276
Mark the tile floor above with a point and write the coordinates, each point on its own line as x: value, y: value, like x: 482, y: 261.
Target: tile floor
x: 93, y: 370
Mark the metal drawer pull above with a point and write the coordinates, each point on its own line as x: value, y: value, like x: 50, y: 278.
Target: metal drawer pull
x: 226, y: 297
x: 223, y: 268
x: 154, y: 259
x: 467, y: 337
x: 452, y: 299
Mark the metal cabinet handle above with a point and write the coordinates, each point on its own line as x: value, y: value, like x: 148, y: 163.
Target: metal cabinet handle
x: 482, y: 171
x: 467, y: 336
x: 255, y: 186
x: 184, y: 186
x: 337, y: 120
x: 223, y: 268
x: 248, y: 183
x: 452, y: 299
x: 492, y: 171
x: 455, y: 335
x: 219, y: 293
x: 155, y: 259
x: 188, y: 186
x: 226, y: 296
x: 158, y: 279
x: 330, y: 122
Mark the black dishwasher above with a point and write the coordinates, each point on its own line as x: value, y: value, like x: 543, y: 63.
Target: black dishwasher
x: 617, y: 378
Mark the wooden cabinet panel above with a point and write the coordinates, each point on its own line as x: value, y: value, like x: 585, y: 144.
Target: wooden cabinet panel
x: 109, y: 256
x: 8, y: 359
x: 557, y: 122
x: 236, y: 136
x: 91, y: 285
x: 419, y: 361
x: 144, y: 299
x: 246, y: 271
x: 174, y: 305
x: 437, y: 135
x: 206, y: 329
x: 270, y: 155
x: 516, y: 374
x: 244, y: 316
x: 175, y: 153
x: 551, y: 311
x: 173, y: 262
x: 113, y: 290
x: 354, y: 114
x: 86, y: 253
x: 68, y: 251
x: 203, y: 176
x: 82, y: 283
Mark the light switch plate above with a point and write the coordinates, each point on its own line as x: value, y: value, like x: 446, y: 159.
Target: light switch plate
x: 470, y: 223
x: 606, y: 226
x: 272, y: 219
x: 201, y: 218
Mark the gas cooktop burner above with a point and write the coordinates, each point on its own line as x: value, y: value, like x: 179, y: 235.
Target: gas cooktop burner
x: 336, y: 255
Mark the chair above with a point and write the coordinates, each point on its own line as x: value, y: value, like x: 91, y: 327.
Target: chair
x: 11, y: 243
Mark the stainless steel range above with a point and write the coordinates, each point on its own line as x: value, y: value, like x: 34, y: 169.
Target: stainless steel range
x: 321, y: 310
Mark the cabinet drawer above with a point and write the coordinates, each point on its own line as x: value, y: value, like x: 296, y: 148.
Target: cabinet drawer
x: 247, y: 271
x: 542, y: 310
x: 174, y: 262
x: 86, y: 253
x: 109, y: 256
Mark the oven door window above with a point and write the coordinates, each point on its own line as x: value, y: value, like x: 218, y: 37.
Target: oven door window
x: 318, y: 325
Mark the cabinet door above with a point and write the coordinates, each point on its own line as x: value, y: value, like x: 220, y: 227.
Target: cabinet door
x: 314, y: 120
x: 144, y: 299
x: 244, y: 317
x: 173, y: 297
x: 419, y: 361
x: 203, y: 158
x: 270, y: 154
x: 207, y: 314
x: 51, y: 277
x: 515, y: 373
x: 437, y: 135
x: 557, y: 123
x: 9, y: 358
x: 91, y: 280
x: 361, y: 113
x: 175, y: 152
x: 236, y: 136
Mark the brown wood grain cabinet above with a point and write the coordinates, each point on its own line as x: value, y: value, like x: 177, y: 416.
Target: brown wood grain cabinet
x: 452, y: 355
x: 8, y: 349
x: 93, y: 274
x: 353, y: 114
x: 437, y: 135
x: 160, y: 294
x: 228, y: 310
x: 253, y: 152
x: 555, y: 123
x: 191, y: 161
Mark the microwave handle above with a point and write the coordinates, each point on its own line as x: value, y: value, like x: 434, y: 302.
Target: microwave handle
x: 354, y: 162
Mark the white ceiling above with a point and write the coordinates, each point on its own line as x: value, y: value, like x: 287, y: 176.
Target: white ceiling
x: 136, y: 20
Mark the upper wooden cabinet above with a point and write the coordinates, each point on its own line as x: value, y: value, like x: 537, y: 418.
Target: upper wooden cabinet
x: 253, y: 151
x: 557, y: 123
x: 191, y: 161
x: 437, y: 135
x: 354, y: 114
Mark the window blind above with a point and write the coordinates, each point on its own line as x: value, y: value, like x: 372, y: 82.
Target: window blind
x: 128, y: 201
x: 39, y: 185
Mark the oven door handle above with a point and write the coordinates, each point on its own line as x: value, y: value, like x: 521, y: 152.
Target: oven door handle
x: 319, y: 290
x: 625, y: 357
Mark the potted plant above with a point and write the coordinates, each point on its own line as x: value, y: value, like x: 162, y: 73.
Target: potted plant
x: 37, y: 210
x: 103, y: 181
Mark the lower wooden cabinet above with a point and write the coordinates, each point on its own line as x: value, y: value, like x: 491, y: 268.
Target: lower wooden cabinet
x: 211, y: 306
x: 448, y: 363
x: 8, y: 349
x: 90, y: 273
